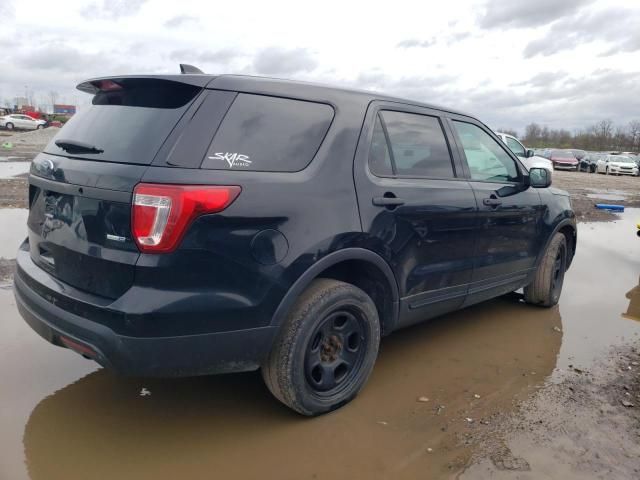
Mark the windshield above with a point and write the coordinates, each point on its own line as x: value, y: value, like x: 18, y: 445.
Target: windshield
x: 562, y: 154
x: 622, y: 159
x: 126, y: 124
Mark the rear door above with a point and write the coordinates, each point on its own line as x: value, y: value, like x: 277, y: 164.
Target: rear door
x: 416, y: 209
x: 508, y: 212
x: 80, y: 187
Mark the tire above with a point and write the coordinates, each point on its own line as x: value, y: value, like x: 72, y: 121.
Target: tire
x: 332, y: 325
x: 546, y: 287
x: 39, y: 127
x: 606, y: 172
x: 9, y: 126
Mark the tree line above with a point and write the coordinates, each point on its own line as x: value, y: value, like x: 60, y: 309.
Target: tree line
x: 603, y: 136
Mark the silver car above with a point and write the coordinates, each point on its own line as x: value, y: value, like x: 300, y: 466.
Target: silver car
x: 20, y: 121
x: 526, y: 156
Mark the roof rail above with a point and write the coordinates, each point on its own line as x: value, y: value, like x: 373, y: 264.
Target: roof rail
x: 185, y: 68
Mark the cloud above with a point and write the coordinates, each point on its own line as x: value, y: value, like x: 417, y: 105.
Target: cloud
x: 613, y: 25
x: 281, y: 61
x: 60, y: 58
x: 180, y: 20
x: 7, y: 10
x: 543, y: 79
x: 219, y: 57
x: 112, y: 9
x: 514, y: 13
x: 413, y: 42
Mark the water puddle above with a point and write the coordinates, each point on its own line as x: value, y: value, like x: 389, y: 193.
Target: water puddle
x: 607, y: 196
x: 13, y: 169
x: 13, y: 230
x: 71, y: 416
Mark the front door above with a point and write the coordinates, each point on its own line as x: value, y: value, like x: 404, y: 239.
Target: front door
x: 416, y: 209
x: 508, y: 213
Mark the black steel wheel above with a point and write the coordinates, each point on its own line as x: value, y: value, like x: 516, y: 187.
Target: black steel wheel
x: 326, y: 348
x: 336, y: 351
x: 546, y: 287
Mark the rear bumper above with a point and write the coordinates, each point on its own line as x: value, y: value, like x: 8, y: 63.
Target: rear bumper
x: 199, y: 354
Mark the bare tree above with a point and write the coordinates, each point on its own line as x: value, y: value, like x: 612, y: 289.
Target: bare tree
x: 53, y: 96
x: 634, y: 135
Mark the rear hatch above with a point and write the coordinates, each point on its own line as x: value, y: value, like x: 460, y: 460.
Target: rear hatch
x: 81, y: 185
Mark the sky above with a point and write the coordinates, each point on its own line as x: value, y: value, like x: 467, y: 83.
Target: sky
x: 560, y: 63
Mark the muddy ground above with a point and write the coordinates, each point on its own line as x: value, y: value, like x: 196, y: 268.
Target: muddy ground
x: 501, y: 390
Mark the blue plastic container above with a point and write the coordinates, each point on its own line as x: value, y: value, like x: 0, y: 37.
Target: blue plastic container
x: 607, y: 206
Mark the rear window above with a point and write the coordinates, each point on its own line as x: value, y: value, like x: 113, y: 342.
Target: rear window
x: 268, y: 134
x: 128, y: 123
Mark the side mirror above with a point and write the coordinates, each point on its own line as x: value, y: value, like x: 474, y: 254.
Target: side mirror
x: 539, y: 177
x: 529, y: 153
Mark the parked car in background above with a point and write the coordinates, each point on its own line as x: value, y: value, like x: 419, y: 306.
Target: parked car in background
x: 563, y: 160
x: 527, y: 156
x: 22, y: 122
x: 579, y: 154
x: 185, y: 243
x: 589, y: 162
x: 617, y: 165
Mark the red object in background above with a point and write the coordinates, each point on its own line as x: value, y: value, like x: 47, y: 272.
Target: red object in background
x: 33, y: 114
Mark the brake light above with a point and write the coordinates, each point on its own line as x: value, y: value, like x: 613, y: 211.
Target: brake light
x: 161, y: 213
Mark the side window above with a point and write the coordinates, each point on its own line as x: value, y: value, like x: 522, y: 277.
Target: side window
x: 379, y: 158
x: 487, y: 160
x: 516, y: 147
x: 416, y: 146
x: 268, y: 134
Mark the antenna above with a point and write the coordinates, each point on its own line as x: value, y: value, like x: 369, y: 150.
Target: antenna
x: 185, y: 68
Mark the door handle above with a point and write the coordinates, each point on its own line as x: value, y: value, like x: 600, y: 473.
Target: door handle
x: 387, y: 201
x: 492, y: 202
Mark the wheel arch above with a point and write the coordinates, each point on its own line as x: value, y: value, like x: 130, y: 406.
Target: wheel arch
x: 361, y: 267
x: 568, y: 228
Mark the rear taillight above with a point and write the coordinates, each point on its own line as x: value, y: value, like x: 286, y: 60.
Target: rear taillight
x: 161, y: 213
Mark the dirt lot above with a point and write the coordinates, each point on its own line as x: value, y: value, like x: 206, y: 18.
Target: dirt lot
x: 588, y: 189
x: 501, y: 390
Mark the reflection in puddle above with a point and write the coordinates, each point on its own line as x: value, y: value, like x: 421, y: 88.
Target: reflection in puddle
x: 217, y: 424
x: 633, y: 310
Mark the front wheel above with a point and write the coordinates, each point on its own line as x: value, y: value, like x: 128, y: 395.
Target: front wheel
x: 325, y: 350
x: 547, y: 284
x: 39, y: 127
x: 9, y: 126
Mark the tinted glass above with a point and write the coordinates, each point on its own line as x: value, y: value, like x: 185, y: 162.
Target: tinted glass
x: 515, y: 146
x: 379, y: 158
x: 129, y: 123
x: 418, y: 145
x: 487, y: 160
x: 269, y: 134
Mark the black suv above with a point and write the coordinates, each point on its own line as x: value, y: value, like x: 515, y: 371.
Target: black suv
x: 196, y: 224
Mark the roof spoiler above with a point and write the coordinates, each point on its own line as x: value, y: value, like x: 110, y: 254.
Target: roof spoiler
x: 186, y: 68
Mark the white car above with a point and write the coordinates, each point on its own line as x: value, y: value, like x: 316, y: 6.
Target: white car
x: 526, y: 156
x: 617, y: 165
x: 25, y: 122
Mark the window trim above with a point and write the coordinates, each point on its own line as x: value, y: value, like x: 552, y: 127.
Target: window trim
x: 395, y: 175
x: 463, y: 156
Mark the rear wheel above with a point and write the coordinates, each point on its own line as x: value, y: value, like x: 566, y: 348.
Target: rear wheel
x: 326, y: 348
x: 546, y: 287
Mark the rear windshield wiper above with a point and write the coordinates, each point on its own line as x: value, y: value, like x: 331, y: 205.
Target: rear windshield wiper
x: 71, y: 146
